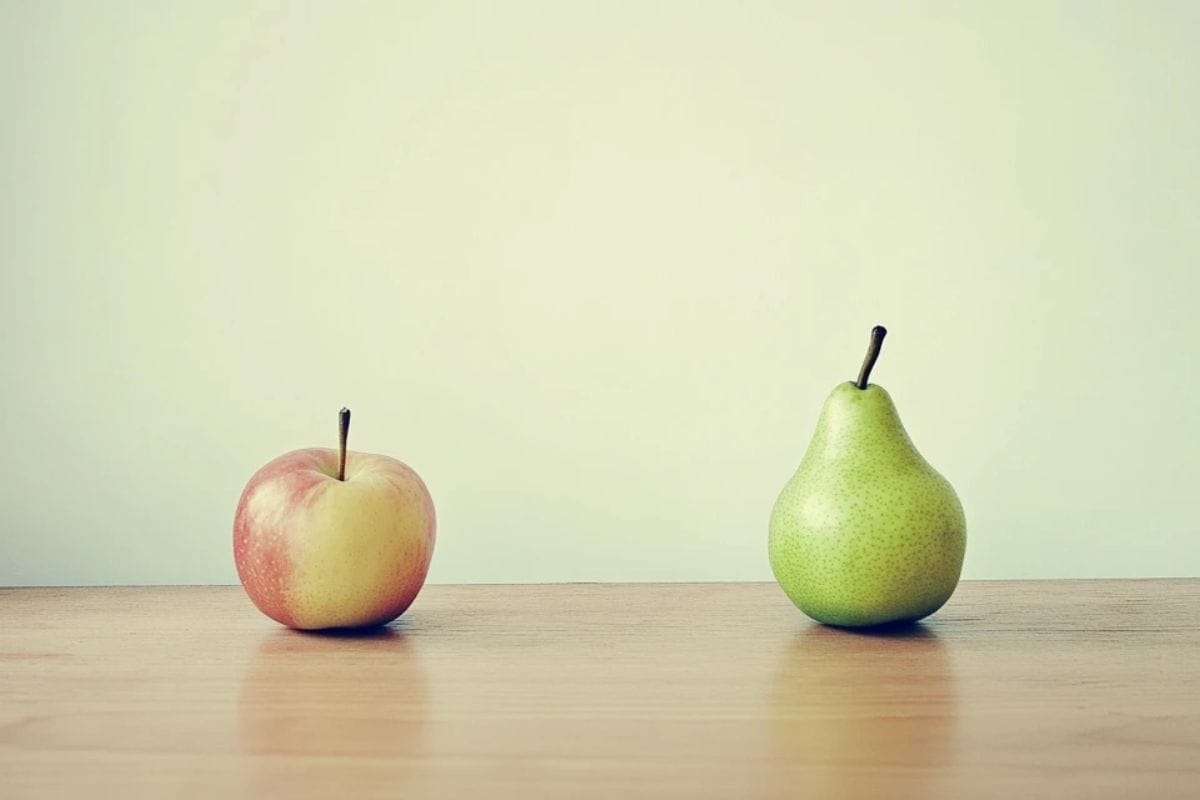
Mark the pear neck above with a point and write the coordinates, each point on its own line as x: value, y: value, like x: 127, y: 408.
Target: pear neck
x: 861, y: 424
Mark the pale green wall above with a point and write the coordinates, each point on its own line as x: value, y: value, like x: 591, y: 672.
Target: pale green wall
x: 592, y: 269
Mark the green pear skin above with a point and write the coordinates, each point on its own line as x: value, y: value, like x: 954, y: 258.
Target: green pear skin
x: 866, y: 532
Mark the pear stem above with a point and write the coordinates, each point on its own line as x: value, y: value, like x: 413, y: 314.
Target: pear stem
x: 877, y: 334
x: 343, y: 434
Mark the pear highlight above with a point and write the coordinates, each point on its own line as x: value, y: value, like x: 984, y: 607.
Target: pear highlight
x: 866, y: 532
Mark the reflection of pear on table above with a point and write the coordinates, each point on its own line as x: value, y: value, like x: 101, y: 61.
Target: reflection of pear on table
x: 330, y: 700
x: 866, y: 531
x: 862, y: 714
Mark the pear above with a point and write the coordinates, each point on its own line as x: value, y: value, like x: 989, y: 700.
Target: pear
x: 866, y: 532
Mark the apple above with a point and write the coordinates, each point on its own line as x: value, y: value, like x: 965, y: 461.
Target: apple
x: 333, y: 539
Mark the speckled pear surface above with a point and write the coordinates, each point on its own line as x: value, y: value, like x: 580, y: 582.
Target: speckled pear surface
x: 866, y: 532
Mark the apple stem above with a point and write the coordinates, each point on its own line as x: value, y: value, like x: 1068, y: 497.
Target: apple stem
x: 877, y: 334
x: 343, y: 434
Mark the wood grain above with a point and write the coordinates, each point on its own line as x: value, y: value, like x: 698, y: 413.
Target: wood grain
x: 1030, y: 689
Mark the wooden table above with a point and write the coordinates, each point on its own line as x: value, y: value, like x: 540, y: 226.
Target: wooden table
x: 1048, y: 689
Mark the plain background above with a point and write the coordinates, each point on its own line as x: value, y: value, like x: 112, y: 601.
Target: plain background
x: 592, y: 268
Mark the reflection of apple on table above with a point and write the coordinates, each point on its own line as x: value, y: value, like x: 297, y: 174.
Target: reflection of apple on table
x: 334, y: 539
x: 334, y: 702
x: 866, y: 532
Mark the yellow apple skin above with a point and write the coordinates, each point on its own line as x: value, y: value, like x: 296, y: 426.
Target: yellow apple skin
x: 316, y: 552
